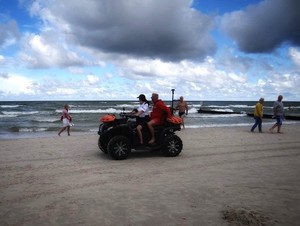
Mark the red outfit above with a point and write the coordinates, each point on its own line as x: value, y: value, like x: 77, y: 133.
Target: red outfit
x: 160, y: 112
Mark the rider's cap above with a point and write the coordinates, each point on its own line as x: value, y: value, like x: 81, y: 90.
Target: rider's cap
x: 142, y: 97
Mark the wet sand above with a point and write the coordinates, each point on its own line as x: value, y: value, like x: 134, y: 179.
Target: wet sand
x: 224, y: 176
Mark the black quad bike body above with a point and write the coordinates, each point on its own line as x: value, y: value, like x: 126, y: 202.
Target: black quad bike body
x: 117, y: 137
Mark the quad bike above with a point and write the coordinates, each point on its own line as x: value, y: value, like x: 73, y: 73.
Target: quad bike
x: 118, y: 136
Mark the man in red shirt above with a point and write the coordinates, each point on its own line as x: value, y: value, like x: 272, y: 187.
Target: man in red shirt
x: 159, y: 114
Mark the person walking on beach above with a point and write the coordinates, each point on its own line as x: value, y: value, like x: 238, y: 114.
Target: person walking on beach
x: 142, y: 114
x: 258, y: 115
x: 278, y: 111
x: 66, y: 119
x: 159, y: 113
x: 183, y: 109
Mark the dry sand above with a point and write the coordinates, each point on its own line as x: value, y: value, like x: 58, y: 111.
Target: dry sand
x: 223, y: 175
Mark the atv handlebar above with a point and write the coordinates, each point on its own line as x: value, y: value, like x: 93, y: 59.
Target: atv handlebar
x: 127, y: 115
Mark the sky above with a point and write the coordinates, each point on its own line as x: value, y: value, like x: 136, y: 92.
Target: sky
x: 117, y: 49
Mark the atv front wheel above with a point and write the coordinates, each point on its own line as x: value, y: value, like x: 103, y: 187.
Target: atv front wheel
x: 119, y: 147
x: 172, y: 146
x: 102, y: 145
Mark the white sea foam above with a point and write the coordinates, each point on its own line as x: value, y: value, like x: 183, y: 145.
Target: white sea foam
x: 8, y: 116
x: 239, y: 106
x: 233, y: 125
x: 46, y: 119
x: 32, y: 129
x: 220, y: 115
x: 9, y: 106
x: 193, y: 110
x: 16, y: 113
x: 95, y: 111
x: 217, y: 125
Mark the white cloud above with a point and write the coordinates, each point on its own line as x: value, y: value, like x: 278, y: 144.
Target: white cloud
x: 15, y: 85
x: 295, y: 55
x: 92, y: 80
x: 123, y: 48
x: 261, y: 83
x: 62, y: 91
x: 9, y: 34
x: 45, y: 50
x: 2, y: 59
x: 236, y: 78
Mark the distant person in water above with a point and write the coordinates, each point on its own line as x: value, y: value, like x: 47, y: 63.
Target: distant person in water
x: 278, y: 111
x: 258, y: 115
x: 183, y: 109
x: 66, y: 120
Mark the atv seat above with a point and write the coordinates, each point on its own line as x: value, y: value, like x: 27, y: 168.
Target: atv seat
x: 158, y: 127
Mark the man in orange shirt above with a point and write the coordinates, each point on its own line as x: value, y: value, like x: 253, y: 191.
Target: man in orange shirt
x: 159, y: 114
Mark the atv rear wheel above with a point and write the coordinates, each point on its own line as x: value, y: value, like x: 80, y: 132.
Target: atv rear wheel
x: 119, y: 147
x: 172, y: 146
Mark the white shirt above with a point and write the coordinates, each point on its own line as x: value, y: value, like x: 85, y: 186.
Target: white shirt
x: 144, y: 107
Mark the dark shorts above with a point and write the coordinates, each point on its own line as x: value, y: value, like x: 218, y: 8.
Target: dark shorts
x: 142, y: 121
x: 279, y: 119
x: 181, y: 113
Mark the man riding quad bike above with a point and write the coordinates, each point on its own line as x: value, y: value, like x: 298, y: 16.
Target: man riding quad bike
x: 118, y: 136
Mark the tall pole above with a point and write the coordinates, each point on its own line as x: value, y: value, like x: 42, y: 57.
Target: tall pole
x: 172, y: 101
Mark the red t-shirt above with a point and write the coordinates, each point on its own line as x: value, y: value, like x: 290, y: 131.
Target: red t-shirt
x: 160, y: 112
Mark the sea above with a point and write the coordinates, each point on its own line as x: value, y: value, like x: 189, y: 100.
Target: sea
x: 27, y: 119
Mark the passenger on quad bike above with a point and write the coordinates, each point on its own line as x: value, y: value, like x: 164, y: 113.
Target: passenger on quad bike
x: 159, y: 114
x: 142, y: 116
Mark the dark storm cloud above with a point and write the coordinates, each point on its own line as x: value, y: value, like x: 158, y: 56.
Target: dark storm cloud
x: 167, y: 29
x: 265, y: 26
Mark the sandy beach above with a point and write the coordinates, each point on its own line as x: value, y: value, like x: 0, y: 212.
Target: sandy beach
x: 224, y: 176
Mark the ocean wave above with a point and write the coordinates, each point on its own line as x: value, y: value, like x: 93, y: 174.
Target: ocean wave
x: 216, y: 106
x: 95, y: 111
x: 222, y: 110
x: 33, y: 129
x: 240, y: 106
x: 290, y: 108
x: 130, y: 106
x: 213, y: 125
x: 46, y: 119
x: 193, y: 110
x: 7, y: 116
x: 229, y: 106
x: 15, y: 129
x: 16, y: 113
x: 194, y: 105
x: 217, y: 125
x: 9, y: 106
x: 203, y: 115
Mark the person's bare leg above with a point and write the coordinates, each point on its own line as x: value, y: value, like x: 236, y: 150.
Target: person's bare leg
x: 62, y: 129
x: 273, y: 127
x: 68, y: 129
x: 139, y: 131
x: 151, y: 129
x: 278, y: 129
